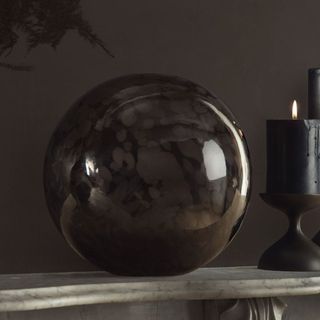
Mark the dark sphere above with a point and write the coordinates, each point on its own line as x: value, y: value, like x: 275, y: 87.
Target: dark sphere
x: 147, y: 175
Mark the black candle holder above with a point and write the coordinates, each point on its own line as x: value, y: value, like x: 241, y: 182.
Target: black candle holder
x: 294, y: 251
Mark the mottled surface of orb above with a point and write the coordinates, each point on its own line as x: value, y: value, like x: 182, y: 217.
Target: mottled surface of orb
x: 147, y: 175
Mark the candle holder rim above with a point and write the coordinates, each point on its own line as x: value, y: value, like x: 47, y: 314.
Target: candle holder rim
x: 292, y: 203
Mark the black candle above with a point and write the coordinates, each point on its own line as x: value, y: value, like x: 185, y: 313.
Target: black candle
x: 293, y: 147
x: 314, y: 93
x: 293, y: 156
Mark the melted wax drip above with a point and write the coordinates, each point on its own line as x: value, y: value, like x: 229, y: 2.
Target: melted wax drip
x: 315, y: 127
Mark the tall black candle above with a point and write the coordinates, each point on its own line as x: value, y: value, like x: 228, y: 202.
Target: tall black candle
x: 314, y: 93
x: 293, y: 156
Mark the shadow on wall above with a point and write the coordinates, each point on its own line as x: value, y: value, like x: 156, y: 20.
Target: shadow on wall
x: 41, y: 22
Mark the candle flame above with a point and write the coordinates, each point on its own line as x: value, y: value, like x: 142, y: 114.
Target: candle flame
x: 294, y: 110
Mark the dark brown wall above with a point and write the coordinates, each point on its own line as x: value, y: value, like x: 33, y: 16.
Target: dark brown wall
x: 253, y: 54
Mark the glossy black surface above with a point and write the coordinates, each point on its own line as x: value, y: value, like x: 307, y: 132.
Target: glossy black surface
x: 147, y: 175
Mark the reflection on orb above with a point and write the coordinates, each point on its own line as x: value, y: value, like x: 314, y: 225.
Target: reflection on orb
x: 89, y: 167
x: 214, y: 160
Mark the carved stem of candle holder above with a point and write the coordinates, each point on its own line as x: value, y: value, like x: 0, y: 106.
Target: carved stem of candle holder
x: 294, y: 251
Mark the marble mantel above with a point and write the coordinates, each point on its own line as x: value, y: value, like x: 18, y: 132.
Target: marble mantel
x: 237, y: 292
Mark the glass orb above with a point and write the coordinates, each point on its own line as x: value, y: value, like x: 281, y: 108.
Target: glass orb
x: 147, y: 175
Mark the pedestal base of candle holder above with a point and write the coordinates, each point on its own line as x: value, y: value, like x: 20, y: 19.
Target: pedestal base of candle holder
x: 294, y: 251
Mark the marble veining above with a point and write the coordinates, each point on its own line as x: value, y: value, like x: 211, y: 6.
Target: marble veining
x: 41, y: 291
